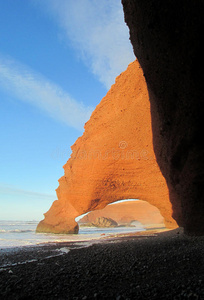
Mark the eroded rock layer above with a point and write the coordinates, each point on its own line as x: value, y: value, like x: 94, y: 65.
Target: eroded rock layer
x: 127, y: 212
x: 103, y: 222
x: 112, y: 160
x: 167, y: 40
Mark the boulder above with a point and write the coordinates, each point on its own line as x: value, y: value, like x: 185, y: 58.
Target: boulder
x: 104, y: 222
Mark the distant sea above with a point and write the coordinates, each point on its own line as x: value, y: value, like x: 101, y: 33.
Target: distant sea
x: 22, y: 233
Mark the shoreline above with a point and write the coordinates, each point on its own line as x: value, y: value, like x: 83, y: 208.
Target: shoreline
x: 145, y: 265
x: 19, y: 236
x: 55, y: 247
x: 84, y: 238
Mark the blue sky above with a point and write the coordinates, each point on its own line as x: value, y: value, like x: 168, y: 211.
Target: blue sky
x: 57, y: 61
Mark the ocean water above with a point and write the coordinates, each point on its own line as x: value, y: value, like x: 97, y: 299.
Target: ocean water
x: 22, y: 233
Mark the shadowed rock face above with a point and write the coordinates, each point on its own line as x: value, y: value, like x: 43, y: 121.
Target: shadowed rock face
x: 167, y: 37
x: 112, y: 160
x: 104, y: 222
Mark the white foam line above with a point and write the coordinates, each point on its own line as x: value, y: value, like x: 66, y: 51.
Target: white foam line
x: 63, y: 250
x: 84, y: 244
x: 3, y: 267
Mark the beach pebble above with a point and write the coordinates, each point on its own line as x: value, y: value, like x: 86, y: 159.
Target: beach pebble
x: 122, y: 270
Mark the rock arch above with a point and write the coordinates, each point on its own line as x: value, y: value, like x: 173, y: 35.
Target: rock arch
x: 113, y: 160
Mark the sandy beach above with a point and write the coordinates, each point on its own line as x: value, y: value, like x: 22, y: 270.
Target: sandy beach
x: 154, y: 265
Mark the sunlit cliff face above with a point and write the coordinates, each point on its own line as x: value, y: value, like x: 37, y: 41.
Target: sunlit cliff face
x: 166, y: 37
x: 112, y: 160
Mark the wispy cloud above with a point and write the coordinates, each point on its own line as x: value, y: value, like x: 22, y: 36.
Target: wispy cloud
x: 29, y: 86
x: 6, y: 189
x: 98, y: 32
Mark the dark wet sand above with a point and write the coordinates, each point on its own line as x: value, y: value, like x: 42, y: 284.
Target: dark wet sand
x: 166, y: 265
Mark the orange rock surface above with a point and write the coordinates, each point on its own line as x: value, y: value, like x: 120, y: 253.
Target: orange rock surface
x: 112, y: 160
x: 126, y: 212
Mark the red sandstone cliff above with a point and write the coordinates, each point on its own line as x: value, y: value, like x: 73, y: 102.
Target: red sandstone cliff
x: 126, y: 212
x: 112, y: 160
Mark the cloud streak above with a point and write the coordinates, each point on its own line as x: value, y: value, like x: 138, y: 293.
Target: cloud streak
x: 11, y: 190
x: 29, y: 86
x: 98, y: 32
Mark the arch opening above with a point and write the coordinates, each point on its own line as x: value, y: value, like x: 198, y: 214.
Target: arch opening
x: 136, y: 214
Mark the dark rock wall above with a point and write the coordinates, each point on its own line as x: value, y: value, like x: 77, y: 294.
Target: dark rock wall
x: 167, y: 37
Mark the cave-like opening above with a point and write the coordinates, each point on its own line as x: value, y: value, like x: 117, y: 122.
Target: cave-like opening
x: 126, y: 214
